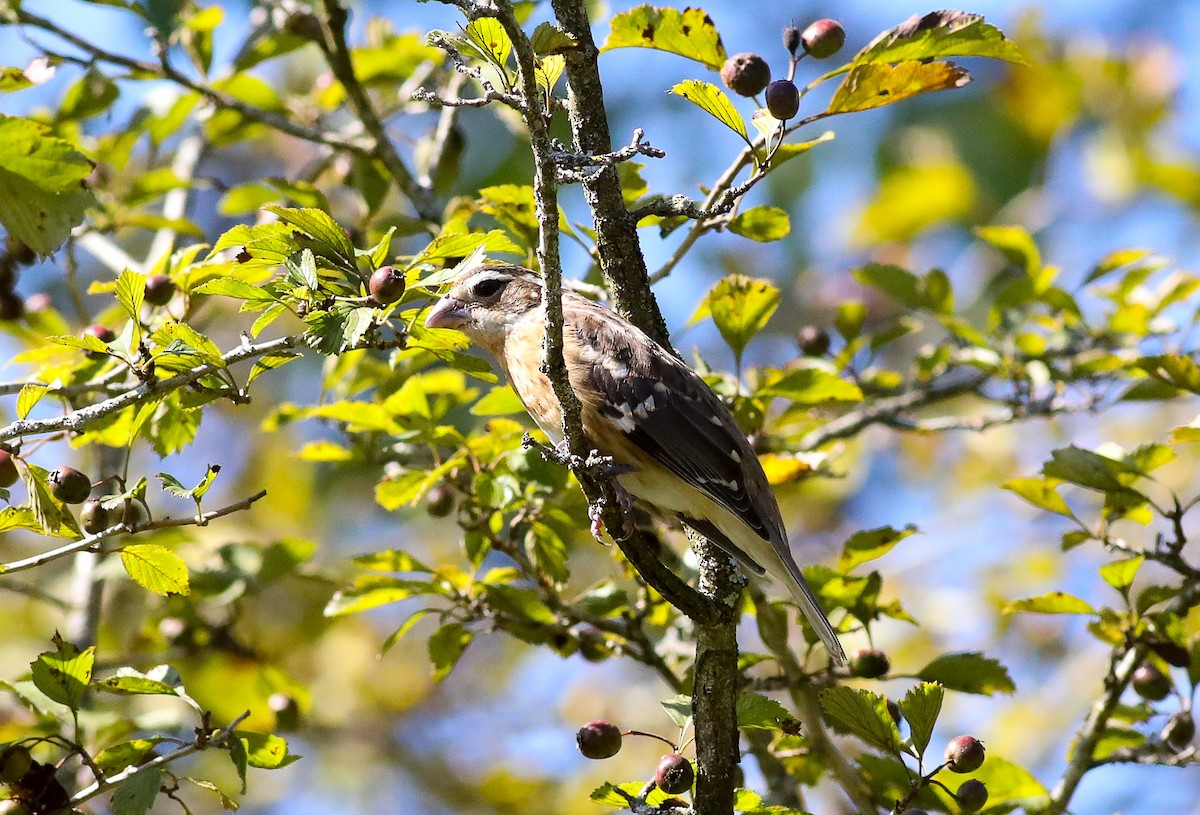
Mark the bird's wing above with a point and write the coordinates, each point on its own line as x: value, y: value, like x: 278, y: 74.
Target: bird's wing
x: 666, y: 410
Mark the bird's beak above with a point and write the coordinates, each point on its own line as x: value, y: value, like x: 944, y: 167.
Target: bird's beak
x: 447, y: 313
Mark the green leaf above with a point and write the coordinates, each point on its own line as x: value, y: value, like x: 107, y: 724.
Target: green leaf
x: 1175, y: 370
x: 689, y: 33
x: 155, y: 568
x: 864, y: 714
x: 134, y: 683
x: 1085, y: 468
x: 372, y: 591
x: 870, y: 544
x: 43, y: 188
x: 969, y: 672
x: 550, y: 39
x: 30, y: 395
x: 489, y: 36
x: 125, y: 754
x: 270, y: 363
x: 319, y: 226
x: 390, y: 560
x: 64, y: 673
x: 1120, y: 574
x: 762, y: 224
x: 812, y: 386
x: 920, y: 708
x: 232, y: 287
x: 136, y: 795
x: 1041, y: 492
x: 874, y: 85
x: 622, y: 795
x: 237, y: 755
x: 713, y: 101
x: 740, y: 306
x: 1017, y: 246
x: 1009, y: 786
x: 679, y: 709
x: 941, y: 34
x: 1055, y: 602
x: 520, y: 603
x: 755, y: 711
x: 896, y: 281
x: 446, y: 645
x: 407, y: 626
x: 264, y: 750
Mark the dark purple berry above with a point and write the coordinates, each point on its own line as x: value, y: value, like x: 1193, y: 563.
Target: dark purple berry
x: 593, y: 645
x: 439, y: 501
x: 94, y: 517
x: 791, y: 39
x: 286, y: 710
x: 1180, y: 730
x: 869, y: 663
x: 15, y: 762
x: 159, y: 289
x: 8, y: 469
x: 12, y: 307
x: 972, y: 795
x: 964, y: 754
x: 100, y: 332
x: 386, y: 285
x: 783, y: 99
x: 69, y: 485
x: 1151, y: 683
x: 813, y: 341
x: 746, y: 74
x: 599, y: 739
x: 674, y: 774
x: 823, y: 39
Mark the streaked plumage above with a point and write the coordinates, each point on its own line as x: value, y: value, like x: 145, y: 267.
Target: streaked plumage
x: 643, y: 407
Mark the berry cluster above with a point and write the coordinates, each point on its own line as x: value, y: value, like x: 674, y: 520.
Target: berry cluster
x: 748, y: 74
x: 674, y: 774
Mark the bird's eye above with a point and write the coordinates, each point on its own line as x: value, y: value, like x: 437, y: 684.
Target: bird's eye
x: 489, y: 287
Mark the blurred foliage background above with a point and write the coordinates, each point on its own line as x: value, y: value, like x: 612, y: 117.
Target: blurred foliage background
x: 1093, y: 147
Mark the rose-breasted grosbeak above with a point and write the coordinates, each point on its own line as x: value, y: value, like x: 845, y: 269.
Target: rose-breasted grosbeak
x: 674, y: 440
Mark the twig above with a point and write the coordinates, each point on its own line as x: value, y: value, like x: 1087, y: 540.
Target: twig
x: 101, y: 786
x: 92, y: 541
x: 577, y: 167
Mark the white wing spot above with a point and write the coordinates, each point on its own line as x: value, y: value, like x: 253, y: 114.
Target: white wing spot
x: 733, y: 454
x: 715, y: 420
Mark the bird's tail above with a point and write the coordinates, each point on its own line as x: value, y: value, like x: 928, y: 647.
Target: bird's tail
x: 812, y: 610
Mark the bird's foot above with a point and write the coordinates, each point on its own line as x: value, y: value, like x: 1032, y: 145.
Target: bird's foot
x: 625, y: 504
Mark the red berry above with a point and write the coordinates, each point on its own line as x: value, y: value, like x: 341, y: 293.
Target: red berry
x: 972, y: 795
x: 674, y: 774
x: 869, y: 663
x: 746, y: 74
x: 824, y: 38
x: 386, y: 285
x: 599, y: 739
x: 1151, y: 683
x: 69, y: 485
x: 783, y: 99
x: 964, y: 754
x: 159, y: 289
x: 8, y: 469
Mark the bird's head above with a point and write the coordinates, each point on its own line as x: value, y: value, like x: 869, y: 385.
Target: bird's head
x: 485, y: 301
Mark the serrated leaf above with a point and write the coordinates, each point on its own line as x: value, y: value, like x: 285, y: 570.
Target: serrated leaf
x: 900, y: 283
x: 1055, y: 602
x: 136, y: 795
x: 319, y: 226
x: 862, y: 713
x: 390, y: 560
x: 550, y: 39
x: 446, y: 646
x: 1041, y: 492
x: 155, y: 568
x: 489, y: 36
x: 689, y: 33
x: 920, y: 708
x: 232, y: 287
x: 941, y: 34
x: 31, y: 393
x: 373, y: 591
x: 755, y: 711
x: 740, y: 306
x: 713, y: 101
x: 270, y: 363
x: 874, y: 85
x: 64, y: 673
x: 131, y: 294
x: 1085, y: 468
x: 621, y: 795
x: 969, y: 672
x: 812, y: 386
x: 1017, y: 246
x: 763, y: 224
x: 43, y: 186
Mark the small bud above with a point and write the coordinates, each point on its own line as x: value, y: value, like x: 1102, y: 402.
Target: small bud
x: 813, y: 341
x: 869, y: 663
x: 964, y: 754
x: 159, y: 289
x: 783, y: 99
x: 8, y: 469
x: 824, y: 38
x: 791, y: 39
x: 746, y: 74
x: 1151, y: 683
x: 69, y: 485
x: 1180, y: 730
x: 599, y: 739
x: 972, y: 795
x: 12, y: 307
x: 674, y: 774
x: 93, y: 517
x: 386, y: 285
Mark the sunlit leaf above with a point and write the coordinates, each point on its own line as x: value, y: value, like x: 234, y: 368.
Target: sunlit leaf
x: 1041, y: 492
x: 446, y: 646
x: 755, y: 711
x: 713, y: 101
x: 155, y: 568
x: 941, y: 34
x: 969, y: 672
x: 762, y: 224
x: 920, y: 708
x: 874, y: 85
x: 689, y: 33
x: 1055, y: 602
x: 862, y: 713
x: 740, y: 306
x: 64, y: 673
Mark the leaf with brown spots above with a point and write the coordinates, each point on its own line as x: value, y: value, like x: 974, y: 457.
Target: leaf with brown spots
x: 874, y: 85
x: 689, y: 33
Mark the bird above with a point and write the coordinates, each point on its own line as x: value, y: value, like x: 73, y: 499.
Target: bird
x: 674, y: 443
